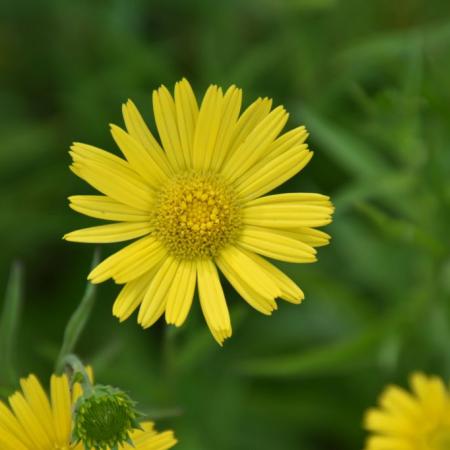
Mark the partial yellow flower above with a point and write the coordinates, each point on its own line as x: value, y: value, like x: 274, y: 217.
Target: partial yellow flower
x: 34, y: 422
x: 196, y: 202
x: 411, y: 421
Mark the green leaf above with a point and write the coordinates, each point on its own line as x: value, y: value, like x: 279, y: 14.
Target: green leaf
x: 402, y: 230
x: 370, y: 347
x: 327, y: 359
x: 380, y: 46
x: 388, y: 187
x: 9, y: 323
x: 347, y: 150
x: 78, y: 321
x: 163, y: 413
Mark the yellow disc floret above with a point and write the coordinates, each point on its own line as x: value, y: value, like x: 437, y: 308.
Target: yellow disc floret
x: 196, y: 215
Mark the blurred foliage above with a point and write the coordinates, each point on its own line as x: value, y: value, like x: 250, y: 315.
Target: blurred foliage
x: 9, y: 321
x: 370, y: 81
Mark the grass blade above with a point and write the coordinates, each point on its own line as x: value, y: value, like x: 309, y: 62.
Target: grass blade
x: 347, y: 150
x: 78, y: 320
x: 9, y: 323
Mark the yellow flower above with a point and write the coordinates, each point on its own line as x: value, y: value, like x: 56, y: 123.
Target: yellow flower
x: 411, y: 421
x: 196, y: 201
x: 33, y: 422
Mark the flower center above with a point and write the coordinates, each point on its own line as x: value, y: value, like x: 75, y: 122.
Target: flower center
x: 440, y: 439
x: 196, y: 215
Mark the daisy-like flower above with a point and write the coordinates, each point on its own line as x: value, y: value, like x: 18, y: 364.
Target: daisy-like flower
x: 196, y: 202
x: 411, y: 421
x: 34, y: 422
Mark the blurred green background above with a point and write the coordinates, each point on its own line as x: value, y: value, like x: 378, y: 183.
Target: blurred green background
x: 371, y: 81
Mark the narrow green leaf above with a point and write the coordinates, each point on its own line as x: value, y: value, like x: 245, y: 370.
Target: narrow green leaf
x: 388, y: 187
x: 163, y: 413
x: 362, y: 350
x: 380, y: 46
x: 327, y: 359
x: 9, y: 323
x: 376, y: 49
x: 402, y: 230
x: 347, y: 150
x: 78, y: 320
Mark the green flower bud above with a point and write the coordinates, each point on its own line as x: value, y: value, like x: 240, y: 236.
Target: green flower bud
x: 104, y: 417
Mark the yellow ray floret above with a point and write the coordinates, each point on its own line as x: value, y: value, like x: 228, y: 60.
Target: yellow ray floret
x: 35, y: 421
x: 417, y: 420
x: 195, y: 201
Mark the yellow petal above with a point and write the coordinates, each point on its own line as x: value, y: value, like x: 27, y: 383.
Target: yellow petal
x: 12, y: 430
x: 261, y: 302
x: 10, y: 442
x: 85, y: 153
x: 249, y: 119
x: 380, y: 421
x: 140, y: 159
x: 207, y: 128
x: 264, y: 177
x: 287, y: 215
x: 146, y: 427
x: 151, y: 440
x: 232, y: 101
x: 306, y: 234
x: 212, y: 300
x: 398, y: 401
x: 309, y: 236
x: 114, y: 232
x: 106, y: 208
x: 276, y: 245
x: 308, y: 198
x: 131, y: 295
x: 62, y: 411
x: 138, y: 130
x: 187, y: 114
x: 38, y: 401
x: 388, y: 443
x: 250, y: 271
x: 431, y: 393
x: 181, y: 293
x: 30, y: 423
x: 116, y: 181
x: 289, y: 290
x: 130, y: 262
x: 166, y: 122
x: 285, y: 142
x: 155, y: 299
x: 256, y: 144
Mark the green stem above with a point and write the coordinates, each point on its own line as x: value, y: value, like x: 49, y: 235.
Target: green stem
x: 77, y: 321
x: 79, y: 374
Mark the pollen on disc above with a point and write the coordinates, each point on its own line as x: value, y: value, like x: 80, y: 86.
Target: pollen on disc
x: 196, y: 215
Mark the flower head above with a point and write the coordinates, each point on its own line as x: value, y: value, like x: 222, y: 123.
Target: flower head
x: 195, y: 202
x: 33, y: 421
x: 411, y: 421
x: 104, y: 417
